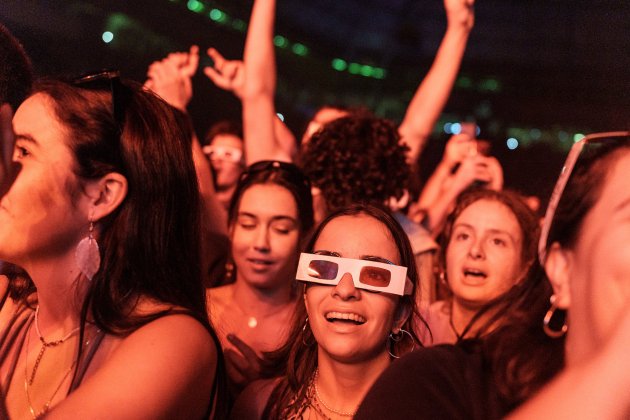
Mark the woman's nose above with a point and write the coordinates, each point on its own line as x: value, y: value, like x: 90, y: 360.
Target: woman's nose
x: 345, y: 288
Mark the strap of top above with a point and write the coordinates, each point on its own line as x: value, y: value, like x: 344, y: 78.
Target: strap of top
x: 12, y: 338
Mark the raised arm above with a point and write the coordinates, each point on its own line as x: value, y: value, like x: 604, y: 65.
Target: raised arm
x: 432, y: 94
x: 262, y: 137
x: 170, y: 79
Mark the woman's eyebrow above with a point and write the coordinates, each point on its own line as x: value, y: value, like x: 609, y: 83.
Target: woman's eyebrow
x: 376, y: 259
x: 26, y: 137
x: 329, y: 253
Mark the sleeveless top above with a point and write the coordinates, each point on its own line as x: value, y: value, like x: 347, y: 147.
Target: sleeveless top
x: 13, y: 336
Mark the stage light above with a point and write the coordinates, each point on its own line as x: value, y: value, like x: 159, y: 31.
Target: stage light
x: 195, y: 6
x: 107, y: 37
x: 512, y: 143
x: 456, y: 128
x: 299, y: 49
x: 577, y: 137
x: 339, y: 64
x: 354, y: 68
x: 280, y: 116
x: 378, y: 73
x: 447, y: 128
x: 280, y: 41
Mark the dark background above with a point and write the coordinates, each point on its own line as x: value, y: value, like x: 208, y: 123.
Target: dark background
x: 540, y: 71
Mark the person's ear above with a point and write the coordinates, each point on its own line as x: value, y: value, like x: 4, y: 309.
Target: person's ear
x: 403, y: 312
x: 558, y: 269
x: 106, y: 194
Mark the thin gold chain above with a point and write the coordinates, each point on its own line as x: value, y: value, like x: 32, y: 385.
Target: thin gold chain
x: 28, y: 382
x: 46, y: 344
x: 326, y: 406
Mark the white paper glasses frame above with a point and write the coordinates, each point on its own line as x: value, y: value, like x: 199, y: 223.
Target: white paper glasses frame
x: 398, y: 284
x: 225, y: 153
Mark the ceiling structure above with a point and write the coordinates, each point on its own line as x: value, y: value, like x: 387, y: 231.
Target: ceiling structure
x: 542, y: 72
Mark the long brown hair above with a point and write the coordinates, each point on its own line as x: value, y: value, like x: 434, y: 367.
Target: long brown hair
x: 300, y: 350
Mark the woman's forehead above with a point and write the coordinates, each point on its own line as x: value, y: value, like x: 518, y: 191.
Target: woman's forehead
x: 356, y: 236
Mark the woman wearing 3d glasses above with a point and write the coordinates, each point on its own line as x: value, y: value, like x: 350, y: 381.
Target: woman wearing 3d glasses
x: 104, y: 216
x: 355, y: 317
x: 584, y: 247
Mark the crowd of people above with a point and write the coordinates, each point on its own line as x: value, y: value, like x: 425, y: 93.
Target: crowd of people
x: 147, y: 272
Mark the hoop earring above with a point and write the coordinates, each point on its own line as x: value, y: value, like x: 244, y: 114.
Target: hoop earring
x: 87, y: 255
x: 549, y: 316
x: 304, y: 333
x: 442, y: 277
x: 395, y: 338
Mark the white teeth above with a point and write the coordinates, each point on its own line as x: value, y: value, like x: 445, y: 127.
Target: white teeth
x: 477, y: 273
x: 330, y: 316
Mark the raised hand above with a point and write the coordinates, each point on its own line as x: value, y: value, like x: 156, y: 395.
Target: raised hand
x: 458, y: 147
x: 226, y: 74
x: 460, y: 13
x: 170, y: 78
x: 243, y: 364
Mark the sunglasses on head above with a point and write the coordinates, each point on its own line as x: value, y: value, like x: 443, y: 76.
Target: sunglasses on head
x: 224, y: 153
x: 293, y: 173
x: 108, y: 80
x: 366, y: 274
x: 592, y: 141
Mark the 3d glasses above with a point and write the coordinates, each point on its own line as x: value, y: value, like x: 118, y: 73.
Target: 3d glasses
x: 225, y: 153
x: 368, y: 275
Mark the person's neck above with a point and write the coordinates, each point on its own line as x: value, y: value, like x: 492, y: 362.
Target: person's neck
x: 342, y: 386
x: 59, y: 294
x: 224, y: 195
x: 462, y: 314
x: 261, y: 302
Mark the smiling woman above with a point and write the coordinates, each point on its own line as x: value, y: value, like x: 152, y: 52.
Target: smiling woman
x: 355, y: 316
x: 270, y: 213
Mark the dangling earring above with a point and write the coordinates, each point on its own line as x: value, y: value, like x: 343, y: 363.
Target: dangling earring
x: 304, y: 332
x: 87, y: 254
x: 395, y: 338
x: 553, y: 333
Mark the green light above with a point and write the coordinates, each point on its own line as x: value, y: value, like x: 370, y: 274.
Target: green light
x: 577, y: 137
x: 239, y: 25
x: 489, y: 85
x: 378, y: 73
x: 354, y: 68
x: 366, y: 71
x: 217, y: 15
x: 339, y: 64
x: 280, y: 41
x: 195, y: 6
x: 299, y: 49
x: 464, y: 82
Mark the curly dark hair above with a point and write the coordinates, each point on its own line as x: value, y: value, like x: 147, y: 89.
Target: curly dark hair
x: 356, y: 159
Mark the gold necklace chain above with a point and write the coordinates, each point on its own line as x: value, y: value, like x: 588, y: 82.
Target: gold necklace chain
x: 46, y: 344
x: 27, y: 383
x: 326, y: 406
